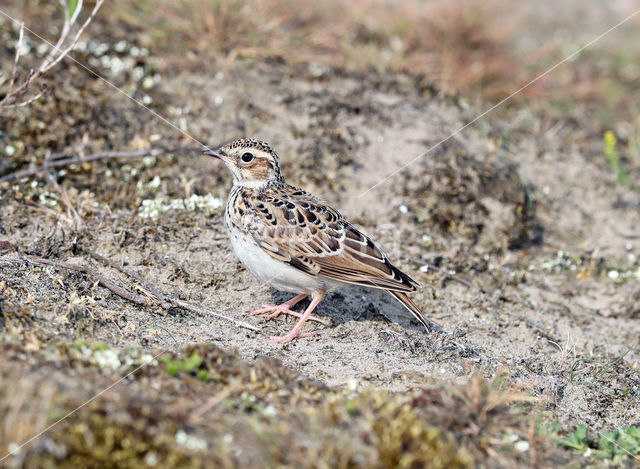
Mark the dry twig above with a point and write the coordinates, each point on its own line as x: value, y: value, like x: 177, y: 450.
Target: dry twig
x: 55, y: 55
x: 167, y: 301
x: 17, y: 56
x: 148, y: 286
x: 56, y: 160
x: 76, y: 268
x: 127, y: 295
x: 206, y: 312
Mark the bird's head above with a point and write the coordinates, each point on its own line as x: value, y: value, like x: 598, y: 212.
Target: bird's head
x: 253, y: 163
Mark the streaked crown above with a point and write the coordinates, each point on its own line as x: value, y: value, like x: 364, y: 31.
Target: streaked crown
x: 252, y: 162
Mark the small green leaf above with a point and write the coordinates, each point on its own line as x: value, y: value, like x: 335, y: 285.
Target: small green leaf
x: 203, y: 376
x: 73, y: 10
x: 578, y: 440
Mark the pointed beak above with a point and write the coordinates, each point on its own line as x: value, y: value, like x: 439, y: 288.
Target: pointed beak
x: 217, y: 154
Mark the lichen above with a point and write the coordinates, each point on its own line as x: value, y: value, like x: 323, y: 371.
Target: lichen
x: 152, y: 208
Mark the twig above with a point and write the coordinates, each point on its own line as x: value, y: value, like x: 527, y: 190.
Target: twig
x: 121, y: 291
x: 53, y: 163
x: 25, y: 103
x: 75, y: 38
x: 536, y: 324
x: 50, y: 61
x: 17, y: 56
x: 167, y: 301
x: 206, y: 312
x: 126, y: 271
x: 77, y: 268
x: 83, y: 269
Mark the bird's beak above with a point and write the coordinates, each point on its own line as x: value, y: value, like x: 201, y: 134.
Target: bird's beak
x: 217, y: 154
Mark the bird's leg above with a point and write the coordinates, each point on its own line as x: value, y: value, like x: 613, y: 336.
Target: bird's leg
x: 295, y: 333
x: 285, y: 308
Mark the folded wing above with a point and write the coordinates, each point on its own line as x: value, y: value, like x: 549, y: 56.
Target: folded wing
x: 294, y: 226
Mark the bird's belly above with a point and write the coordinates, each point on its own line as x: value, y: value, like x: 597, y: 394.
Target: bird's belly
x: 265, y: 268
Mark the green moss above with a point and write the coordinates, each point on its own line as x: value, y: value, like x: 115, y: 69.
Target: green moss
x: 188, y: 365
x: 165, y: 416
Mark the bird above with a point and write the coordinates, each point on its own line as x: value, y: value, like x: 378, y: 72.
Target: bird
x: 296, y: 242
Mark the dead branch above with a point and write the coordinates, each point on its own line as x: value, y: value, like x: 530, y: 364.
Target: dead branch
x: 206, y: 312
x: 27, y: 102
x: 17, y: 56
x: 36, y: 260
x: 55, y: 55
x: 53, y: 61
x: 148, y: 286
x: 167, y: 301
x: 55, y: 162
x: 544, y: 330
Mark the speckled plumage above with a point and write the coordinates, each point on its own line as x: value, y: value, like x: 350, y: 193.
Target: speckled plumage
x: 294, y: 241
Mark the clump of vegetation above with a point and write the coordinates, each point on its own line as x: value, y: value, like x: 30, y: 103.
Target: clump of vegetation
x: 615, y: 446
x: 243, y: 412
x: 189, y: 365
x: 458, y: 191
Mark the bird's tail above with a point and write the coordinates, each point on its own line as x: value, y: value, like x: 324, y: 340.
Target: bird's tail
x: 417, y: 313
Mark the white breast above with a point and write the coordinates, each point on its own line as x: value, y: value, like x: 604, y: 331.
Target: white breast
x: 265, y: 268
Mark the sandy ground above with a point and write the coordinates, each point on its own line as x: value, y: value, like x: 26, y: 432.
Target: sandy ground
x: 521, y: 207
x: 339, y: 155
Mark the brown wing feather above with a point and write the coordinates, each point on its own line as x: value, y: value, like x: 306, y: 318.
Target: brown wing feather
x: 318, y: 240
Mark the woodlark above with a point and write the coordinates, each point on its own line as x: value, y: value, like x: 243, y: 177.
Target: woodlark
x: 294, y: 241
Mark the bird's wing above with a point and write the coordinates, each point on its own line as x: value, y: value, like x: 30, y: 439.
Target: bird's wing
x: 296, y: 227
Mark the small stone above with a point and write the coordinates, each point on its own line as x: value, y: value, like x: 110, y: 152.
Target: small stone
x: 148, y: 82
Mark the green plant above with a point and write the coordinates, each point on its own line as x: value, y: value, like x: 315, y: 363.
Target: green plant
x: 615, y: 445
x: 619, y: 444
x: 189, y: 365
x: 578, y: 440
x: 613, y: 158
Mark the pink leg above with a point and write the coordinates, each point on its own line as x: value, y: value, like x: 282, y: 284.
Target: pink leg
x: 284, y: 308
x: 295, y: 332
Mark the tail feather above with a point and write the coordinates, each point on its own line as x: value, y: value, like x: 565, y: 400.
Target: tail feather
x: 416, y: 311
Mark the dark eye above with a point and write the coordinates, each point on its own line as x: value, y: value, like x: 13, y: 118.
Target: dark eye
x: 247, y: 157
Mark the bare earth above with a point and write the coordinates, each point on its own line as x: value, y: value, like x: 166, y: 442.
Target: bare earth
x: 519, y: 206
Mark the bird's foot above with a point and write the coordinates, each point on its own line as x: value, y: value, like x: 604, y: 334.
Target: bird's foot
x: 290, y: 336
x: 284, y: 308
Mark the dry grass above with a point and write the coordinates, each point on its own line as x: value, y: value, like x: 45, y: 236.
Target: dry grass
x: 457, y: 45
x: 478, y: 49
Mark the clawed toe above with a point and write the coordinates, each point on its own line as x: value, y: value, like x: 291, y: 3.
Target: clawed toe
x: 277, y: 313
x: 290, y: 336
x: 264, y: 309
x: 278, y: 310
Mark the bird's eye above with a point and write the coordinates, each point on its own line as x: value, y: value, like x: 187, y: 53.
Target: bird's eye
x: 247, y: 157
